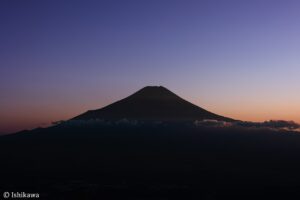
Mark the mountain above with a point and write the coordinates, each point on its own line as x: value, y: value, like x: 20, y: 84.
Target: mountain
x: 152, y: 103
x: 161, y: 161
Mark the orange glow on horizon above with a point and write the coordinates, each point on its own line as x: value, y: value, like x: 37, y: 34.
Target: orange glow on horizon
x: 22, y: 119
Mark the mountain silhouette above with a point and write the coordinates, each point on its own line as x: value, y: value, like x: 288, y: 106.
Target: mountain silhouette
x: 152, y: 103
x: 152, y: 160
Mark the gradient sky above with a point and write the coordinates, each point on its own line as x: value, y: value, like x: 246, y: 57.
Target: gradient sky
x: 60, y: 58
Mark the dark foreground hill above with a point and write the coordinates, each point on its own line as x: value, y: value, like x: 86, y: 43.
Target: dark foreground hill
x: 152, y: 161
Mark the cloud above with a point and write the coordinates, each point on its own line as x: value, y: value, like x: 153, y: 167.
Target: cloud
x: 271, y: 124
x: 212, y: 123
x: 97, y: 122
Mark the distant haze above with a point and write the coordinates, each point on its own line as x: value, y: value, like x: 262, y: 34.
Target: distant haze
x: 238, y: 59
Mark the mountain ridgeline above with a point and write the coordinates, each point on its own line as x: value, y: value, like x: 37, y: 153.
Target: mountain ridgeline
x: 152, y: 103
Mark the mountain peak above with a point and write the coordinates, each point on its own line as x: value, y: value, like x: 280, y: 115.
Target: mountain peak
x: 152, y: 103
x: 154, y: 89
x: 152, y: 92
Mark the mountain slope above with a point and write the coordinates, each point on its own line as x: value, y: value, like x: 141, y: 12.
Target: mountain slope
x: 151, y: 103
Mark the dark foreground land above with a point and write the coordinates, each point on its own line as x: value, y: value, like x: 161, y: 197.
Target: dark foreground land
x: 166, y: 161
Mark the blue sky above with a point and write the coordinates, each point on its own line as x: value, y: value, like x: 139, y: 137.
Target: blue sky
x: 60, y: 58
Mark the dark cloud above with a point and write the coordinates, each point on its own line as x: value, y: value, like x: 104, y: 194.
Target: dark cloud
x: 213, y: 123
x: 272, y: 124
